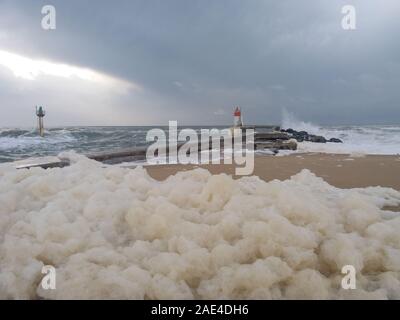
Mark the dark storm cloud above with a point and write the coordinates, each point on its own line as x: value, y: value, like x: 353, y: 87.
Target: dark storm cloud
x: 196, y: 59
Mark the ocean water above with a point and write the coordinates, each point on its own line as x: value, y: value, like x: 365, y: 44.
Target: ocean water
x: 366, y: 139
x: 19, y: 143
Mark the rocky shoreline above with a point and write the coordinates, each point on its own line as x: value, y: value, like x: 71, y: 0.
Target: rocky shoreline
x: 301, y: 136
x: 287, y: 139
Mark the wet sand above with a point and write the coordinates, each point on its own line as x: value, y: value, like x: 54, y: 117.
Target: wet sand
x: 342, y: 171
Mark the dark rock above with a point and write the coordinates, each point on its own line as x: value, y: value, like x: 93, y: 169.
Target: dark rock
x: 301, y: 136
x: 317, y: 139
x: 290, y: 130
x: 335, y: 140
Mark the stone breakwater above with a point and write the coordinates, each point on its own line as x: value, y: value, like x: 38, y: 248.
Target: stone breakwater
x: 301, y: 136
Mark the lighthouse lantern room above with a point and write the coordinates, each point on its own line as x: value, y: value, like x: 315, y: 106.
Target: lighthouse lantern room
x: 238, y: 123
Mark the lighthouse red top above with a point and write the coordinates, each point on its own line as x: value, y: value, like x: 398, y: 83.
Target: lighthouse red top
x: 237, y: 112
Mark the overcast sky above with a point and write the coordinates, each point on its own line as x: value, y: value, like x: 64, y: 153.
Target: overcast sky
x: 146, y: 62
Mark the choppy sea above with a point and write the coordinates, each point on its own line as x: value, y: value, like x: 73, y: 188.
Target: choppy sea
x: 21, y: 143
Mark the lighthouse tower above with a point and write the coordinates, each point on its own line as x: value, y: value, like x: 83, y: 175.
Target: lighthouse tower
x: 238, y: 123
x: 40, y: 113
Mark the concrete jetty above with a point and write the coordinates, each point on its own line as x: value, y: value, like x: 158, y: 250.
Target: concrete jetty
x: 268, y: 138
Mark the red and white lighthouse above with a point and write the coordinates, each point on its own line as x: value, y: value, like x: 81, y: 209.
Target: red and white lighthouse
x: 237, y: 118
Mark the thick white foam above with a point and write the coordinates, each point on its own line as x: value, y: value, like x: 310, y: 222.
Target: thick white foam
x: 117, y: 233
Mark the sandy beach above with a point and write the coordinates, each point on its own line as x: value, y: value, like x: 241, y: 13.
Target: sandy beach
x: 342, y: 171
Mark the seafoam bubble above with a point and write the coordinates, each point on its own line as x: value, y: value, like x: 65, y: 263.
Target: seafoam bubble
x: 113, y: 232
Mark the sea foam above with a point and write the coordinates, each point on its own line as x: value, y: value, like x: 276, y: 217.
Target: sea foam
x: 112, y: 232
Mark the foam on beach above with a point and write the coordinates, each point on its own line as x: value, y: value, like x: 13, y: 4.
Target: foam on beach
x: 116, y: 233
